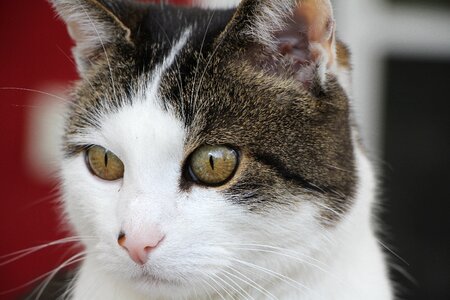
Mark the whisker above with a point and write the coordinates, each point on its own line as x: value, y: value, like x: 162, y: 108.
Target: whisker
x: 25, y: 106
x: 334, y: 211
x: 292, y: 252
x: 223, y: 287
x: 25, y: 252
x: 393, y: 252
x: 35, y: 91
x: 206, y: 68
x: 200, y: 54
x: 53, y: 195
x: 74, y: 64
x: 402, y: 271
x: 238, y: 286
x: 195, y: 291
x: 295, y: 284
x: 285, y: 255
x: 328, y: 272
x: 104, y: 50
x: 74, y: 259
x: 66, y: 55
x: 70, y: 288
x: 202, y: 285
x: 211, y: 286
x: 250, y: 282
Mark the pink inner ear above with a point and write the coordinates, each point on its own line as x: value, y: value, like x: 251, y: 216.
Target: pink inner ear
x: 308, y: 39
x: 318, y: 15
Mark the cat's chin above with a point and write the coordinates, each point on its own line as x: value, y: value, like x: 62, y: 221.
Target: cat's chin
x: 153, y: 286
x: 158, y: 283
x: 125, y: 280
x: 153, y: 280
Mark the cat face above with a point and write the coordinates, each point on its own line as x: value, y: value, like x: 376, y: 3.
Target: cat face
x: 195, y: 137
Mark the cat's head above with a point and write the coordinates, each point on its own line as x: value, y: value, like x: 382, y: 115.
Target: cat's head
x: 204, y: 141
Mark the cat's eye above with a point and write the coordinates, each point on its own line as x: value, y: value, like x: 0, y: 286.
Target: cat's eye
x: 104, y: 164
x: 213, y: 165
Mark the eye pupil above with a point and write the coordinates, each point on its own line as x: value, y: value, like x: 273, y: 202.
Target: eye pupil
x: 106, y: 159
x: 211, y: 161
x: 212, y: 165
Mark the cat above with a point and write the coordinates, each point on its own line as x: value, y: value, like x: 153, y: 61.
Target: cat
x: 211, y: 154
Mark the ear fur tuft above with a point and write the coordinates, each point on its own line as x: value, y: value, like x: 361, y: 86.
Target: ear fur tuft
x: 92, y: 24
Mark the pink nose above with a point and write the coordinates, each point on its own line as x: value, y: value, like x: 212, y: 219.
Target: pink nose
x: 139, y: 246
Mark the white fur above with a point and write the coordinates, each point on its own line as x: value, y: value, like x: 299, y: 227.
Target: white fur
x: 272, y: 18
x: 201, y: 227
x: 212, y: 247
x: 216, y: 3
x: 208, y: 246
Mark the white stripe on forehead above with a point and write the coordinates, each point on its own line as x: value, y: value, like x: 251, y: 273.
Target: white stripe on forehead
x: 168, y: 61
x: 140, y: 115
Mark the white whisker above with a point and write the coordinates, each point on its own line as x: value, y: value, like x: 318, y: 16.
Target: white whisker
x: 238, y: 286
x: 72, y: 260
x: 250, y: 282
x: 284, y: 255
x: 104, y: 50
x: 200, y: 53
x: 392, y: 252
x: 35, y: 91
x: 295, y: 284
x: 211, y: 286
x: 25, y: 252
x: 202, y: 285
x: 226, y: 284
x: 211, y: 56
x: 282, y: 250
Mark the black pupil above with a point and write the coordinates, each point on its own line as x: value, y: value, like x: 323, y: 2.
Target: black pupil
x: 211, y: 161
x: 106, y: 159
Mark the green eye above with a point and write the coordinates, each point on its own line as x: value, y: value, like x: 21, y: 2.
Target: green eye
x: 213, y: 165
x: 104, y: 164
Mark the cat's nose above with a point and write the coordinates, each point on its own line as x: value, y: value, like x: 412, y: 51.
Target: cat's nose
x: 140, y: 244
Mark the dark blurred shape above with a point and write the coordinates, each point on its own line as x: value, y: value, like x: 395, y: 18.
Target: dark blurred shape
x: 54, y: 289
x: 417, y: 173
x: 423, y: 2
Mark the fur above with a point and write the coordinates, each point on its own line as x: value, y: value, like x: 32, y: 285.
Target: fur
x: 295, y: 220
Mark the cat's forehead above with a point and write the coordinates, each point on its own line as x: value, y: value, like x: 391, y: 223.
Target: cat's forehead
x: 200, y: 78
x: 168, y: 45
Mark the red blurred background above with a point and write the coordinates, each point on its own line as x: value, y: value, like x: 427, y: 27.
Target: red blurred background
x: 34, y: 53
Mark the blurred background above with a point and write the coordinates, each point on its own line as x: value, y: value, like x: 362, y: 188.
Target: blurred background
x: 401, y: 55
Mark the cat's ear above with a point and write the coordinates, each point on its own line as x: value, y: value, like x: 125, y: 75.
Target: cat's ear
x: 294, y: 34
x: 93, y: 25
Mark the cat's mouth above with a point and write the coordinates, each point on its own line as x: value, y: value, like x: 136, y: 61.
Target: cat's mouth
x: 149, y: 278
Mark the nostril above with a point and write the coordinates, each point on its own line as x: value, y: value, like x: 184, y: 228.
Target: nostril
x: 121, y: 239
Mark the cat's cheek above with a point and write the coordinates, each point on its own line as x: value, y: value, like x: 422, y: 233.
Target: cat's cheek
x: 197, y: 234
x: 89, y: 201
